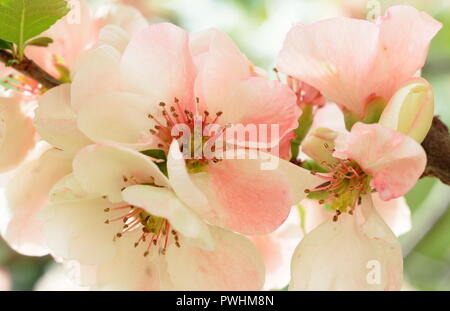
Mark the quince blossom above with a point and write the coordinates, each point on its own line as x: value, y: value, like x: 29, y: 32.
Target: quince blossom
x: 162, y: 78
x: 370, y: 157
x: 21, y: 228
x: 356, y: 62
x: 151, y: 239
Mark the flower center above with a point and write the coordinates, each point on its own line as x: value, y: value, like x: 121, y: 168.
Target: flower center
x: 191, y: 129
x: 343, y: 187
x: 155, y: 230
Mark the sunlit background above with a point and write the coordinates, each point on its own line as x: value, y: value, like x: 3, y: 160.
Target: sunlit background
x: 259, y: 27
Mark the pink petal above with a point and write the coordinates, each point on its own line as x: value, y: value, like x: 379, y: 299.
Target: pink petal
x: 325, y: 55
x: 259, y: 101
x: 17, y: 135
x: 157, y: 64
x: 405, y: 34
x: 395, y: 161
x: 249, y: 200
x: 27, y: 194
x: 334, y: 56
x: 220, y: 65
x: 235, y: 264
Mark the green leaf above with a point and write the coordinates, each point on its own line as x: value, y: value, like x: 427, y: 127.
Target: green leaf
x: 155, y: 154
x: 41, y: 41
x: 21, y: 20
x: 5, y: 45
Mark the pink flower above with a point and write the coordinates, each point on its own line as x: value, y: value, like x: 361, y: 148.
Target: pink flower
x: 354, y: 252
x: 165, y: 77
x: 353, y: 62
x: 55, y: 121
x: 151, y: 239
x: 394, y: 161
x: 368, y: 157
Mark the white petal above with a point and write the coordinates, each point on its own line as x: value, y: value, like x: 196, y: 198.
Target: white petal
x: 129, y: 269
x: 27, y: 194
x: 56, y: 122
x: 117, y: 117
x: 357, y: 252
x: 235, y: 264
x: 180, y: 180
x: 106, y: 170
x: 97, y: 73
x: 76, y: 230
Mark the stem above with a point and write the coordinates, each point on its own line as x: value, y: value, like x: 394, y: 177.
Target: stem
x: 304, y: 124
x: 31, y: 69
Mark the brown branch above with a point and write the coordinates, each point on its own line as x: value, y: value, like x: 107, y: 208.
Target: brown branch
x: 30, y: 69
x: 437, y: 147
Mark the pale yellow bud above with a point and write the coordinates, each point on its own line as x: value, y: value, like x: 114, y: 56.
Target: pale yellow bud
x: 410, y: 111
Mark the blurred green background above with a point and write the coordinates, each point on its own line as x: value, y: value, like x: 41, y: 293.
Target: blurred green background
x: 259, y: 27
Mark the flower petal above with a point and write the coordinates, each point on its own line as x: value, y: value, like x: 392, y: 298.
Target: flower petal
x: 106, y: 119
x: 395, y: 161
x: 106, y: 170
x: 324, y: 55
x: 255, y: 102
x: 129, y: 269
x: 354, y: 253
x: 181, y: 182
x: 76, y: 230
x: 235, y: 264
x: 97, y: 73
x: 158, y: 65
x: 405, y: 34
x: 395, y: 213
x: 277, y: 248
x: 17, y: 135
x: 249, y: 200
x: 27, y: 194
x: 56, y: 122
x: 220, y: 66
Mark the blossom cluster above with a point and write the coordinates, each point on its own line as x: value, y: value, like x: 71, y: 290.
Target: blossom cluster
x: 168, y: 161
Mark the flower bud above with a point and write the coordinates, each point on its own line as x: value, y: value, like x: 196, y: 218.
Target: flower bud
x: 410, y: 110
x: 319, y: 145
